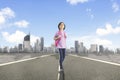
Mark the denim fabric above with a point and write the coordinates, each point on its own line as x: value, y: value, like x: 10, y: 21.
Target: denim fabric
x: 62, y: 52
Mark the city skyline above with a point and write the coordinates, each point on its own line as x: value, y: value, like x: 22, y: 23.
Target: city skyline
x: 39, y: 45
x: 88, y: 21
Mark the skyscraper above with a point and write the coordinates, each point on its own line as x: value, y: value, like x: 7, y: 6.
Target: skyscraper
x: 20, y: 48
x: 37, y: 46
x: 81, y: 47
x: 118, y: 50
x: 42, y: 43
x: 94, y: 48
x: 26, y: 43
x: 76, y: 46
x: 101, y: 49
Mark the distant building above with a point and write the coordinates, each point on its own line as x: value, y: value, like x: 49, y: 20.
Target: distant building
x: 11, y: 50
x: 37, y: 46
x: 50, y: 50
x: 5, y: 50
x: 81, y: 48
x: 72, y: 50
x: 76, y: 46
x: 14, y: 50
x: 101, y: 49
x: 53, y: 48
x: 118, y: 50
x: 108, y: 51
x: 42, y: 44
x: 20, y: 48
x: 94, y: 48
x: 26, y: 44
x: 0, y: 50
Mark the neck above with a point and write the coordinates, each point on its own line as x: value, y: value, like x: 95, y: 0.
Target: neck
x: 61, y: 30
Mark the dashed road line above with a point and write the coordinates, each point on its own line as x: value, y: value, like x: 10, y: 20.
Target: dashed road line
x: 58, y: 78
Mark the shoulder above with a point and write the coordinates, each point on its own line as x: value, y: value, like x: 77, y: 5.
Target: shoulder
x: 64, y: 32
x: 57, y: 33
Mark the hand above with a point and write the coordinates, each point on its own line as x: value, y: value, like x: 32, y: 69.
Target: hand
x: 56, y: 37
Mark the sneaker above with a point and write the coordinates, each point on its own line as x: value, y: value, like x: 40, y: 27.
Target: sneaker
x: 61, y: 67
x: 61, y: 70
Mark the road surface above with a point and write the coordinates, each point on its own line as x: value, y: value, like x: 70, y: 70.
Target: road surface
x: 46, y: 68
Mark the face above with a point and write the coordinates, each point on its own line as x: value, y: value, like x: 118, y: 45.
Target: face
x: 61, y: 26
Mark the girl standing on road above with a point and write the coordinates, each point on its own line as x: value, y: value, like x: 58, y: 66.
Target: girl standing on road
x: 60, y: 43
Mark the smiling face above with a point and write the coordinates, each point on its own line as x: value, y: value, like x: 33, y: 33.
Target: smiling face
x: 61, y: 26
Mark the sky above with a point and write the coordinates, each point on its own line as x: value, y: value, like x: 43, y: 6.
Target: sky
x: 88, y: 21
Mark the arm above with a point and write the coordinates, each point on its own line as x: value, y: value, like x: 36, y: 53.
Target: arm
x: 56, y: 37
x: 65, y: 35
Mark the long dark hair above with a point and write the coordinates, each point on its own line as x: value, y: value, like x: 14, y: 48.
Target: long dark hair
x: 60, y: 24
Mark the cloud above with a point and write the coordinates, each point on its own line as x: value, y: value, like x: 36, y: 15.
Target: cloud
x: 115, y: 7
x: 88, y: 40
x: 17, y: 37
x: 5, y: 14
x: 2, y: 19
x: 74, y: 2
x: 108, y: 30
x: 22, y: 24
x: 102, y: 42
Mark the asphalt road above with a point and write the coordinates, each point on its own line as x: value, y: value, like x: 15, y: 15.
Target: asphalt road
x: 46, y: 68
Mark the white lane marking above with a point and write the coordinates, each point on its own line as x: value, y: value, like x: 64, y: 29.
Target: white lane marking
x: 25, y: 60
x: 112, y: 63
x: 58, y: 78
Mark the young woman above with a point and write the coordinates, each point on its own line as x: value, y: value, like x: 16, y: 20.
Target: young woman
x: 60, y: 42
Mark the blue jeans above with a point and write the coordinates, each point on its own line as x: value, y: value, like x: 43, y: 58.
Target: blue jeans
x: 62, y: 56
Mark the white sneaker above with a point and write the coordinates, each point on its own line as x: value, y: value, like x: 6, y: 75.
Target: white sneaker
x: 60, y: 69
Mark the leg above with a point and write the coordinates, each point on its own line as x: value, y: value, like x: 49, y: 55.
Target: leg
x: 60, y: 58
x: 64, y: 53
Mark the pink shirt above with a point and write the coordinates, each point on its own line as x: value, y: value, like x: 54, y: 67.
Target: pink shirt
x: 62, y: 41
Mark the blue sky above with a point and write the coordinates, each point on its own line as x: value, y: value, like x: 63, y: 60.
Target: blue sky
x: 89, y: 21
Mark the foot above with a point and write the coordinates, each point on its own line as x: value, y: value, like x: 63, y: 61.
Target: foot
x: 61, y: 70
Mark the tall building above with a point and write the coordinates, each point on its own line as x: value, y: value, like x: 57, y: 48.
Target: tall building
x: 118, y: 50
x: 37, y: 46
x: 72, y: 50
x: 26, y: 44
x: 81, y: 48
x: 101, y: 49
x: 5, y: 50
x: 76, y: 46
x: 20, y: 48
x: 94, y: 48
x: 0, y: 50
x: 42, y: 43
x: 53, y: 48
